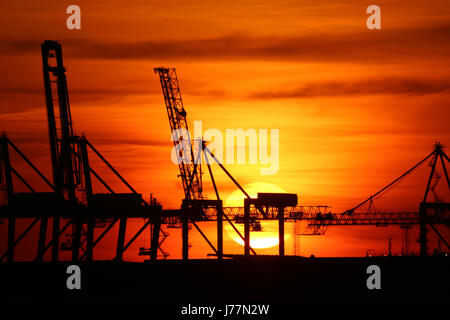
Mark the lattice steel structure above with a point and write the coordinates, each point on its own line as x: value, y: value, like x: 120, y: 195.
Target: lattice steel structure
x: 188, y: 162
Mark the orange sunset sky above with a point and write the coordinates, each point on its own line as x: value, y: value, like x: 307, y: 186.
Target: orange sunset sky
x: 355, y: 107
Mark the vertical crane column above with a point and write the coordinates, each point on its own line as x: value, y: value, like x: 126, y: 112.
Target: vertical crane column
x: 185, y: 237
x: 219, y: 230
x: 155, y: 237
x: 423, y: 239
x: 65, y: 164
x: 42, y: 237
x: 5, y: 161
x: 247, y: 226
x: 121, y: 239
x: 88, y: 187
x: 185, y: 230
x: 281, y: 231
x: 60, y: 134
x: 49, y: 49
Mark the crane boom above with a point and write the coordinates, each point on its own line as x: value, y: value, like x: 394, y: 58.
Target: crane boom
x: 190, y: 171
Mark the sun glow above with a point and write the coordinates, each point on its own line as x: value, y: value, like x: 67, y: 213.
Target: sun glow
x: 268, y: 237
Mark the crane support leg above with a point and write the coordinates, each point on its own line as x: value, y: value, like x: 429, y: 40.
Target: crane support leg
x: 423, y: 233
x: 41, y: 241
x: 11, y: 239
x: 281, y: 231
x: 423, y: 212
x: 219, y: 231
x: 76, y: 240
x: 121, y: 238
x: 55, y: 241
x: 155, y: 238
x: 246, y: 228
x: 90, y: 239
x: 185, y: 237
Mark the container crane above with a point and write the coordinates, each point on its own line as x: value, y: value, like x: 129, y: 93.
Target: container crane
x: 195, y: 205
x: 71, y: 168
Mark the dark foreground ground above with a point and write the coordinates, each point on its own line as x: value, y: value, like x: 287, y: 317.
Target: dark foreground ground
x: 288, y: 281
x: 240, y: 278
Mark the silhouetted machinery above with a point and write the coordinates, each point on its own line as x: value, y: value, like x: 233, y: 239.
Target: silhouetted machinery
x: 317, y: 216
x: 73, y: 203
x: 70, y: 161
x: 23, y: 204
x: 430, y: 212
x: 195, y: 206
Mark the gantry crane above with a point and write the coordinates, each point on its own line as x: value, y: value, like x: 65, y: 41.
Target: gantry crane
x: 188, y: 162
x: 68, y: 152
x: 70, y: 163
x: 189, y: 155
x: 72, y: 200
x: 430, y: 213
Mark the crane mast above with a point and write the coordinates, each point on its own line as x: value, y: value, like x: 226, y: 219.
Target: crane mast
x: 190, y: 171
x: 70, y: 163
x: 63, y: 144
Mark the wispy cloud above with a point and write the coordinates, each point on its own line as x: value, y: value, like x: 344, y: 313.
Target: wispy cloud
x: 362, y: 87
x: 133, y: 141
x: 361, y: 46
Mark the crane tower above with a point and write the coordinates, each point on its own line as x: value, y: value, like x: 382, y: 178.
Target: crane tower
x: 190, y: 171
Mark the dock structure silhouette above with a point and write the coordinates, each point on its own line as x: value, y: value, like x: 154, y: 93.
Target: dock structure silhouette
x: 74, y: 207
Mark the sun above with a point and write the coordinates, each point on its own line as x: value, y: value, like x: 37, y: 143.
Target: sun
x: 268, y: 237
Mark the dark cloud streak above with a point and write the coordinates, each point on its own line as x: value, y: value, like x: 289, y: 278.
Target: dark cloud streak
x: 365, y: 46
x: 362, y: 87
x: 132, y: 141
